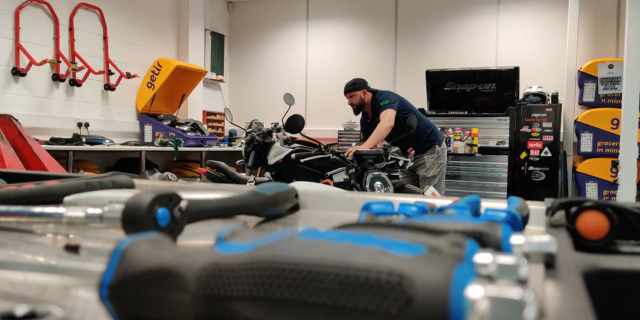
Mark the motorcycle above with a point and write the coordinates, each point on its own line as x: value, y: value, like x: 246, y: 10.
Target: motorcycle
x: 273, y: 154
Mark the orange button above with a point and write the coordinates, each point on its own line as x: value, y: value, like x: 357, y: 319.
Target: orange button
x: 593, y: 225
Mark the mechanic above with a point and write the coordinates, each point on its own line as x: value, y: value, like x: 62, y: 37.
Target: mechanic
x: 382, y: 110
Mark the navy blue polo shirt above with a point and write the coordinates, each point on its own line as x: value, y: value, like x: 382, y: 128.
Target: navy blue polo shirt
x: 424, y: 138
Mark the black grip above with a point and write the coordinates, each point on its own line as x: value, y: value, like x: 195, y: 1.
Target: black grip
x: 312, y: 274
x: 22, y: 176
x: 491, y: 235
x: 154, y: 210
x: 302, y: 155
x: 252, y: 158
x: 54, y: 191
x: 270, y: 199
x: 520, y: 206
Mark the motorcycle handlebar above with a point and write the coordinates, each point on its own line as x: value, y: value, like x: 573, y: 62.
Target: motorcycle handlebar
x: 303, y: 155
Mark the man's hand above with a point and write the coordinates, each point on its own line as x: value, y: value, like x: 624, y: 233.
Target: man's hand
x: 350, y: 151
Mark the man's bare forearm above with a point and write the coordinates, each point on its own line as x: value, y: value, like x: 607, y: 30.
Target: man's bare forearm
x: 379, y: 134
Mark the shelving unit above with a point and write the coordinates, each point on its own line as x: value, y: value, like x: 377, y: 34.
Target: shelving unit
x: 214, y: 122
x: 228, y: 155
x: 628, y: 127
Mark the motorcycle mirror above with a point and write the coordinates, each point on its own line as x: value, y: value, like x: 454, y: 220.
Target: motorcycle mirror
x: 228, y: 115
x: 294, y: 124
x: 412, y: 123
x: 289, y: 99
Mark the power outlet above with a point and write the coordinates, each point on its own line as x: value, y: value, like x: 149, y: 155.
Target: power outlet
x: 82, y: 129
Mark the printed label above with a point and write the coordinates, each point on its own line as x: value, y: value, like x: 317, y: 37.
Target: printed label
x: 589, y: 92
x: 534, y: 152
x: 535, y: 145
x: 537, y: 176
x: 586, y: 141
x: 591, y: 189
x: 532, y: 168
x: 547, y: 124
x: 148, y: 133
x: 610, y: 77
x: 523, y: 155
x: 546, y: 152
x: 547, y: 138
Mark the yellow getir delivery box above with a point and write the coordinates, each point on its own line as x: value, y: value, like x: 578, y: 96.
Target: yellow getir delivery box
x: 167, y: 85
x: 592, y: 78
x: 596, y: 178
x: 164, y: 88
x: 598, y: 132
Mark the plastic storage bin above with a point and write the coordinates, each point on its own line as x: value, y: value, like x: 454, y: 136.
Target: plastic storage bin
x: 152, y: 128
x: 589, y: 95
x: 164, y: 88
x: 596, y: 179
x: 598, y: 132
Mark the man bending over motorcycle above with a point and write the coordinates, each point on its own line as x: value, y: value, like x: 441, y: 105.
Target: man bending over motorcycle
x: 381, y: 110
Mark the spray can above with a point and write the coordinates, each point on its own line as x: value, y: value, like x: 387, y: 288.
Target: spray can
x: 474, y: 136
x: 457, y: 136
x: 445, y: 134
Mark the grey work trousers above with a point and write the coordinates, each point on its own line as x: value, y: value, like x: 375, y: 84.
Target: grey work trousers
x: 428, y: 169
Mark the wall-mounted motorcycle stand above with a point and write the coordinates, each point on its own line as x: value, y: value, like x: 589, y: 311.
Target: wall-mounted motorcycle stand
x: 75, y: 56
x: 19, y: 48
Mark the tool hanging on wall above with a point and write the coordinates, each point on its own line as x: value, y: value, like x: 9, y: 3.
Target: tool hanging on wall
x: 75, y: 56
x: 59, y: 56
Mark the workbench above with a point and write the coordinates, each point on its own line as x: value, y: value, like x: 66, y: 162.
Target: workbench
x: 36, y: 268
x: 225, y: 154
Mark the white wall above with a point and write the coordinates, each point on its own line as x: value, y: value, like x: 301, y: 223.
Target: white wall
x: 597, y: 33
x: 217, y: 16
x: 268, y: 49
x: 357, y: 38
x: 191, y: 25
x: 347, y: 39
x: 309, y: 48
x: 533, y: 35
x: 217, y: 20
x: 442, y: 34
x: 139, y: 32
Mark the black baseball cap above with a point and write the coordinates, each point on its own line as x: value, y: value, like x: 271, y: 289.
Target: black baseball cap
x: 357, y: 84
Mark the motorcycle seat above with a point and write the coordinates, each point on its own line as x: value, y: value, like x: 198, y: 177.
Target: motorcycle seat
x: 232, y: 174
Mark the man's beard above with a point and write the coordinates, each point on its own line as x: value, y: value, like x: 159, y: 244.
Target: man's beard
x: 357, y: 109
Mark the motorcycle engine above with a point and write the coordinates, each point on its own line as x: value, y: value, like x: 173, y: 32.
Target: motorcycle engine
x: 376, y: 181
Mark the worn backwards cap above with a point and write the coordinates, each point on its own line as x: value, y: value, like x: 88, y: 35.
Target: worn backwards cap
x: 357, y: 84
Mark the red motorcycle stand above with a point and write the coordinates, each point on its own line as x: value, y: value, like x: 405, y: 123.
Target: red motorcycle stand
x: 75, y: 56
x: 19, y: 48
